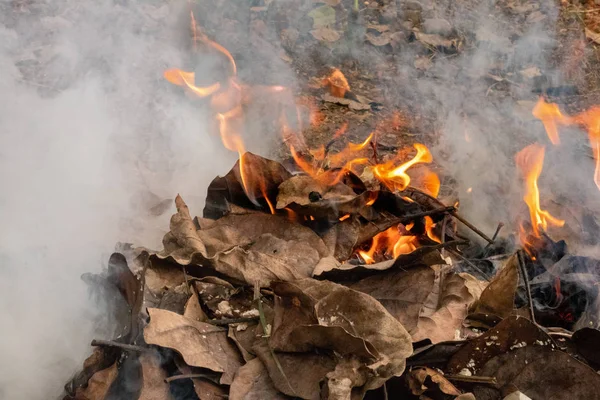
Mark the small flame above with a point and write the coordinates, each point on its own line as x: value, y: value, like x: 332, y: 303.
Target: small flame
x: 530, y: 161
x: 396, y: 178
x: 429, y: 226
x: 551, y: 116
x: 393, y: 242
x: 337, y: 83
x: 187, y: 79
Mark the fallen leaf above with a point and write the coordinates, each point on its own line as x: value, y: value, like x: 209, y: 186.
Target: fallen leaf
x: 325, y: 35
x: 302, y: 372
x: 154, y: 386
x: 207, y: 390
x: 509, y: 334
x: 423, y: 63
x: 530, y: 72
x: 252, y: 382
x: 322, y: 16
x: 98, y: 385
x: 499, y: 296
x: 227, y: 190
x: 316, y: 313
x: 200, y: 344
x: 193, y: 310
x: 418, y: 380
x: 352, y: 104
x: 593, y: 36
x: 346, y: 376
x: 382, y: 39
x: 243, y: 338
x: 101, y: 359
x: 378, y: 28
x: 437, y: 42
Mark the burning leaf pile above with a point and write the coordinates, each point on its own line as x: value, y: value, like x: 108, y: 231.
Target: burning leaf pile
x: 343, y: 276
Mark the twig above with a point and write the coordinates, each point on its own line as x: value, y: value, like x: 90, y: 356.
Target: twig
x: 375, y: 155
x: 471, y: 226
x: 188, y: 376
x: 475, y: 267
x: 444, y: 223
x: 489, y: 380
x: 123, y: 346
x: 527, y: 287
x: 385, y: 393
x: 498, y: 228
x: 229, y: 321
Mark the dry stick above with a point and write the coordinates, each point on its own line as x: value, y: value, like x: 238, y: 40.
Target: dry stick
x: 490, y: 380
x: 188, y: 376
x: 229, y: 321
x: 263, y: 323
x: 123, y: 346
x: 471, y: 226
x: 527, y: 287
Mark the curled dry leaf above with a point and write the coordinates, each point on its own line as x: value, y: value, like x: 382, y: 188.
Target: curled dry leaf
x: 499, y: 296
x: 314, y: 314
x: 154, y: 386
x: 101, y: 359
x: 98, y: 385
x: 418, y: 380
x: 303, y: 190
x: 200, y: 344
x: 431, y: 302
x: 252, y: 382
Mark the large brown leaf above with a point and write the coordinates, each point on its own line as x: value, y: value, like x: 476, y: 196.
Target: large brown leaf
x: 499, y: 296
x: 200, y: 344
x: 430, y: 302
x: 250, y: 248
x: 315, y: 314
x: 252, y: 382
x: 98, y: 385
x: 154, y: 386
x: 223, y: 192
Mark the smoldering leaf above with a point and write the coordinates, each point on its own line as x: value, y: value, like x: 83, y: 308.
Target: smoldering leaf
x: 304, y: 190
x: 98, y: 385
x: 499, y: 296
x: 252, y: 382
x: 200, y: 344
x: 154, y: 386
x: 511, y: 333
x: 228, y: 190
x: 418, y: 379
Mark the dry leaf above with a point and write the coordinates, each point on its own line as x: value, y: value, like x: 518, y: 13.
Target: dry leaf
x: 322, y: 16
x: 314, y: 314
x: 98, y: 385
x: 193, y: 310
x: 102, y: 358
x: 499, y: 296
x: 325, y: 35
x: 382, y: 39
x: 304, y: 190
x: 252, y: 382
x: 200, y: 344
x: 437, y: 42
x: 417, y: 379
x: 352, y: 104
x: 243, y: 335
x: 207, y: 390
x: 593, y: 36
x: 154, y: 386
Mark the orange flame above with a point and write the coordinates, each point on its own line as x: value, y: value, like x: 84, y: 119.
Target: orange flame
x: 396, y: 178
x: 429, y: 225
x: 187, y: 79
x: 551, y: 117
x: 394, y: 242
x: 337, y: 83
x: 530, y: 161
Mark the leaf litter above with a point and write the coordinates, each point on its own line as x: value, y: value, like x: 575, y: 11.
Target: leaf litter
x: 268, y: 297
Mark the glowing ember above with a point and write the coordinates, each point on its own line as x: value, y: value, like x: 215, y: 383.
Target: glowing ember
x: 530, y: 161
x: 551, y: 117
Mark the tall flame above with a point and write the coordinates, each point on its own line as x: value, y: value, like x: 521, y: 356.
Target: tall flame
x: 530, y: 161
x: 552, y: 117
x: 396, y: 178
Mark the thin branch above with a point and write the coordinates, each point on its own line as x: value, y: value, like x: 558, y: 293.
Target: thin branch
x: 229, y: 321
x: 463, y: 258
x: 189, y: 376
x: 489, y: 380
x: 123, y: 346
x: 471, y: 226
x: 527, y: 287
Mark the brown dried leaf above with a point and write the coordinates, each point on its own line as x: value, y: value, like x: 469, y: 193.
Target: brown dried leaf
x: 417, y: 380
x: 154, y: 386
x: 430, y: 302
x: 252, y: 382
x: 227, y: 190
x: 182, y: 242
x: 193, y: 310
x: 346, y: 376
x: 511, y: 333
x: 437, y: 42
x: 101, y: 359
x: 207, y: 390
x: 244, y: 336
x: 314, y: 314
x: 352, y: 104
x: 325, y: 34
x: 593, y: 36
x: 302, y: 372
x: 382, y: 39
x: 98, y: 385
x: 200, y: 344
x: 499, y: 296
x: 304, y: 190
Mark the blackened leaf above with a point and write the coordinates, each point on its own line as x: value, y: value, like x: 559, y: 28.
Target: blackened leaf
x: 587, y: 342
x: 200, y: 344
